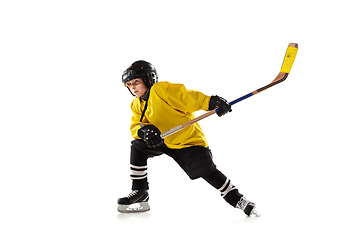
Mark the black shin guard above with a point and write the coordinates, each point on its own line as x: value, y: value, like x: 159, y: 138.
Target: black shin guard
x: 215, y: 179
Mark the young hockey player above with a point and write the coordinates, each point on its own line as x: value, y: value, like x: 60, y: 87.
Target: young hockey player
x: 158, y: 107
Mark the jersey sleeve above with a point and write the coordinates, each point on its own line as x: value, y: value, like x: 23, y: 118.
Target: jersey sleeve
x: 186, y: 100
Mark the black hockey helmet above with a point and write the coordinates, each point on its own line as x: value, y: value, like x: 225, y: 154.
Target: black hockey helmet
x: 141, y: 69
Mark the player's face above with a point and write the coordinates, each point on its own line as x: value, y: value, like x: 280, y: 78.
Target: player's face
x: 137, y: 87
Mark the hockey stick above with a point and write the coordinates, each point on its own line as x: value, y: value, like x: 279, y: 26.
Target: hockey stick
x: 284, y: 72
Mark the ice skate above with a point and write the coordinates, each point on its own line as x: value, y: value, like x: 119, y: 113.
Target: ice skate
x: 137, y: 201
x: 248, y: 207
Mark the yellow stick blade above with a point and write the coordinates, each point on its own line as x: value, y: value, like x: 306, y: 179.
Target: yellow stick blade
x: 289, y: 57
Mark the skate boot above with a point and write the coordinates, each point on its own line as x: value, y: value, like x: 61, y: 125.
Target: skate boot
x: 137, y: 201
x: 248, y: 207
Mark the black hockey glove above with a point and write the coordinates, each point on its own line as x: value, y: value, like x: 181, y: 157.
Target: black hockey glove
x: 151, y: 135
x: 221, y: 103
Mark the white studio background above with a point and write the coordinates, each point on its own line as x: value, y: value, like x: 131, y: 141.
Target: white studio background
x: 64, y: 133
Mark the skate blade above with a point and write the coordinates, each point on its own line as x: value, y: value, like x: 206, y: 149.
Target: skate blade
x: 134, y: 208
x: 255, y: 213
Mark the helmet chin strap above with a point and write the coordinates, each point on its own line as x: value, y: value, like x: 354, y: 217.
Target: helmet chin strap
x: 146, y: 98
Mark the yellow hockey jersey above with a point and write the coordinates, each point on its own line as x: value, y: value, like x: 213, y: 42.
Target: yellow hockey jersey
x: 170, y: 105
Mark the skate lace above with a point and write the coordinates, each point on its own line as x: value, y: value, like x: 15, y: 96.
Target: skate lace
x: 133, y: 193
x: 242, y: 203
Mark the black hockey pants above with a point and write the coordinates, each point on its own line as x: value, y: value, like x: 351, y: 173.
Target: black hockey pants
x: 196, y: 161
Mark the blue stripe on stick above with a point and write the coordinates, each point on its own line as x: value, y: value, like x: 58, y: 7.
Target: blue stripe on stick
x: 240, y: 99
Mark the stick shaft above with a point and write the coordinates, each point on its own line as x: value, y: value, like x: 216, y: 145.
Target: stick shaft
x: 284, y: 72
x: 281, y: 77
